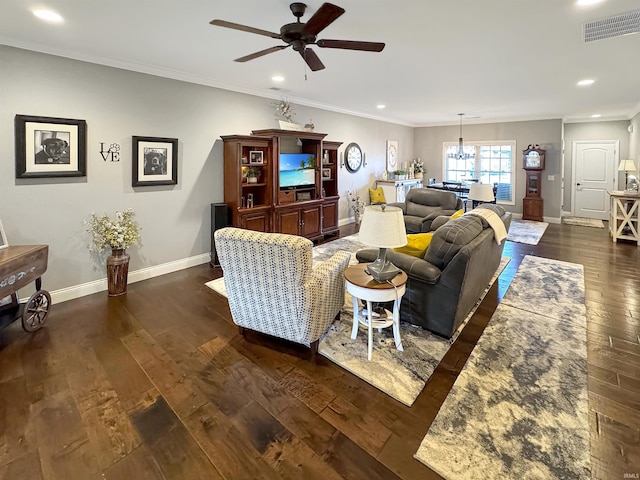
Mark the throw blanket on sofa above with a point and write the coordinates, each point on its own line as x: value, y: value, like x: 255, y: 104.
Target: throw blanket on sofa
x: 494, y: 221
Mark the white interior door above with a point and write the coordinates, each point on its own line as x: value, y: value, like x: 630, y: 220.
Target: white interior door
x: 594, y: 169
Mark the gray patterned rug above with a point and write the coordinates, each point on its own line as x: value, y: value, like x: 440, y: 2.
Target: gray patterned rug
x: 519, y: 408
x: 526, y: 231
x: 583, y: 222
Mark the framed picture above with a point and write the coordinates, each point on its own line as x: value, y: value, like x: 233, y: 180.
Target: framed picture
x: 50, y: 147
x: 3, y: 237
x: 392, y: 156
x: 155, y: 161
x: 256, y: 158
x: 326, y: 173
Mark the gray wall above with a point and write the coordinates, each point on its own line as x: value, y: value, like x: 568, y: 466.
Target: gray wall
x: 116, y: 105
x: 546, y: 133
x: 591, y: 131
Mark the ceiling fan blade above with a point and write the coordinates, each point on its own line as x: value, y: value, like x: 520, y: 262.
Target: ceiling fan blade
x: 323, y: 17
x: 260, y: 53
x: 244, y: 28
x: 351, y: 45
x: 312, y: 59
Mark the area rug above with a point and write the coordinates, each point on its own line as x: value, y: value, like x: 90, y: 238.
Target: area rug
x: 401, y: 375
x: 526, y: 231
x: 583, y: 222
x: 519, y: 408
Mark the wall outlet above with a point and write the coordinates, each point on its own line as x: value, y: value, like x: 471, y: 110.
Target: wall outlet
x: 551, y: 178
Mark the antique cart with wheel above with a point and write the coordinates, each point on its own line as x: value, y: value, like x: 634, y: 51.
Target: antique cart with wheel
x: 20, y: 265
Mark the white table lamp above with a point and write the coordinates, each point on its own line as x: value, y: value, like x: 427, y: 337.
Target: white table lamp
x: 383, y: 227
x: 481, y: 193
x: 626, y: 166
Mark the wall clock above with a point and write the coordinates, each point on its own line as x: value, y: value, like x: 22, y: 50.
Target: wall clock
x: 353, y: 157
x: 392, y: 155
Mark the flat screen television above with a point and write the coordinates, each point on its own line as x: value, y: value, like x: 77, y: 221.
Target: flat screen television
x: 297, y: 170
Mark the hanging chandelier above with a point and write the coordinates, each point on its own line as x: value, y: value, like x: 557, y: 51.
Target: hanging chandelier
x: 460, y: 154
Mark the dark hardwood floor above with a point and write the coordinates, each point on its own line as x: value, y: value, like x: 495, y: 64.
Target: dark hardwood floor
x: 158, y: 384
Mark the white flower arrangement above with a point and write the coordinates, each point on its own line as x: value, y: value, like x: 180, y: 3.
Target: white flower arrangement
x: 284, y: 108
x: 356, y: 203
x: 418, y: 166
x: 107, y: 233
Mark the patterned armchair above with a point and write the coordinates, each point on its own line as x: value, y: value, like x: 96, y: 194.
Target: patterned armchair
x: 272, y: 287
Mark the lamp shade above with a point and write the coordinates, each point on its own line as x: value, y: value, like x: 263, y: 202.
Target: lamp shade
x: 481, y: 192
x: 383, y: 227
x: 627, y: 165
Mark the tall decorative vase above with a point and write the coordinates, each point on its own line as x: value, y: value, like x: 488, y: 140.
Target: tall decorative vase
x: 117, y: 272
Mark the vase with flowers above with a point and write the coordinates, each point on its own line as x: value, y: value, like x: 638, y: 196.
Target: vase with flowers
x: 356, y: 204
x: 117, y: 234
x: 418, y: 168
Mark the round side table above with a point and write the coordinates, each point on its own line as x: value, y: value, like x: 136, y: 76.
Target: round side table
x: 362, y: 286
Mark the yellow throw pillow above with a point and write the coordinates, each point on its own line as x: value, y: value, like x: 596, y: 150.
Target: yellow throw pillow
x: 458, y: 214
x: 377, y: 195
x: 417, y: 244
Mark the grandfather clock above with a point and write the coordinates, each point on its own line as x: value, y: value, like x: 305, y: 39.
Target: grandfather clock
x: 533, y: 164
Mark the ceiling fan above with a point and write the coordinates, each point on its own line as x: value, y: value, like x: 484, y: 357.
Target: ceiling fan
x: 299, y: 35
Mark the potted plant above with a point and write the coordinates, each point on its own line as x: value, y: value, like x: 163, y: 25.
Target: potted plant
x: 401, y: 174
x: 252, y: 174
x: 116, y: 234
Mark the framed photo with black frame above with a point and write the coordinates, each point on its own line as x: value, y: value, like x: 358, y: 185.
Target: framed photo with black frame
x: 50, y: 147
x: 155, y: 161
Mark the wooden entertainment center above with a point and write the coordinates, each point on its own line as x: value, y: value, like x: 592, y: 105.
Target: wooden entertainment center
x: 260, y: 198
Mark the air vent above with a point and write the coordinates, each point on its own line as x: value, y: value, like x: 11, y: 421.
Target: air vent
x: 616, y: 26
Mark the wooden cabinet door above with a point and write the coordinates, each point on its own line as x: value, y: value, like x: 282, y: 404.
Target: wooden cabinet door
x: 310, y: 217
x: 532, y: 209
x: 288, y: 221
x: 258, y: 221
x: 329, y: 216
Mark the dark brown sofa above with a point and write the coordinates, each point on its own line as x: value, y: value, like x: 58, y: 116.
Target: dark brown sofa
x: 444, y: 286
x: 422, y: 205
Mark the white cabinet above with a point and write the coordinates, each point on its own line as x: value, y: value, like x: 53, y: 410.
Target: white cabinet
x: 396, y: 190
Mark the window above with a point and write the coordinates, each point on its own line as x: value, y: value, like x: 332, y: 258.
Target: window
x: 486, y: 162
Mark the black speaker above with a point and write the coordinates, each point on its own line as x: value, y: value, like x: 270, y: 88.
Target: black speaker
x: 220, y: 218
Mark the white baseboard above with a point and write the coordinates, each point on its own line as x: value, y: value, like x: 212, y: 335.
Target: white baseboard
x: 552, y: 219
x: 77, y: 291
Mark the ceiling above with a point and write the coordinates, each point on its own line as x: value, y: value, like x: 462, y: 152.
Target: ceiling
x: 496, y: 60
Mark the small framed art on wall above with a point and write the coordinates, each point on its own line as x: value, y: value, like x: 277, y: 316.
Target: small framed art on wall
x: 155, y: 161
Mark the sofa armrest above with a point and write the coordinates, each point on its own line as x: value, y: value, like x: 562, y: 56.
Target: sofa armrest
x: 324, y: 292
x: 438, y: 222
x: 414, y: 267
x: 400, y: 205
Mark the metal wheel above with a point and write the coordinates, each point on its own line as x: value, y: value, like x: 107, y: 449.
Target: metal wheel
x: 36, y: 311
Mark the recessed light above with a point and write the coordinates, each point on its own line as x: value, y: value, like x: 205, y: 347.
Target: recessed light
x: 277, y: 78
x: 583, y: 3
x: 48, y: 16
x: 585, y: 83
x: 596, y: 115
x: 381, y: 106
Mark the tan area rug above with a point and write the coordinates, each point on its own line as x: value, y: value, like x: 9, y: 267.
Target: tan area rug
x: 583, y: 222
